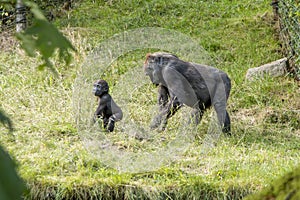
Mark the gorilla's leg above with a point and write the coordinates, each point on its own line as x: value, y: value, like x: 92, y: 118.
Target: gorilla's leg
x: 112, y: 119
x: 226, y: 128
x: 163, y: 97
x: 165, y: 113
x: 105, y: 122
x: 196, y: 116
x: 223, y: 117
x: 111, y: 124
x: 163, y: 100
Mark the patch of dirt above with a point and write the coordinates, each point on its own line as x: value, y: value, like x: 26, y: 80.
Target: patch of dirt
x: 255, y: 116
x: 8, y: 42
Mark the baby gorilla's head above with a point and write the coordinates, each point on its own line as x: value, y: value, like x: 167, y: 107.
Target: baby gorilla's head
x: 100, y: 88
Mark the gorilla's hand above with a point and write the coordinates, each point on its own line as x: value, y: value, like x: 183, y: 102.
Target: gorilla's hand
x: 111, y: 124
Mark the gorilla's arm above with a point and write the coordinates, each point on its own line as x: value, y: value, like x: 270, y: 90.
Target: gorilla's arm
x: 103, y: 104
x: 168, y: 106
x: 178, y: 85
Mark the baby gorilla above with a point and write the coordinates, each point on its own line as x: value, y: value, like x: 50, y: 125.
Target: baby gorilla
x: 107, y: 109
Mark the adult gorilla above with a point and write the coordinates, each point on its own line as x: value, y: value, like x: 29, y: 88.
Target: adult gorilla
x: 197, y: 86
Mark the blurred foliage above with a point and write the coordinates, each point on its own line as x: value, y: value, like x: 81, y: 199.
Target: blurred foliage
x: 54, y: 8
x: 11, y: 186
x: 4, y: 119
x: 43, y: 37
x: 286, y: 187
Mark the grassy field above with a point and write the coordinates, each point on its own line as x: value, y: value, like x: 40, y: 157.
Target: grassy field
x: 59, y: 161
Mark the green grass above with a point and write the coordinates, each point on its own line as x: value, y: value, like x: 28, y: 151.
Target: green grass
x: 265, y: 113
x: 286, y: 187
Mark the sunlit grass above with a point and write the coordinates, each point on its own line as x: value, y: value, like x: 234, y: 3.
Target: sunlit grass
x: 51, y: 154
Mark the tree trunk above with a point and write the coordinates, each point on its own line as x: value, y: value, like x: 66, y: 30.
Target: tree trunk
x: 20, y: 16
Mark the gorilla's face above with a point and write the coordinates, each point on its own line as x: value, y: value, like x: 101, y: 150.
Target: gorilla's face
x: 154, y: 64
x: 100, y: 87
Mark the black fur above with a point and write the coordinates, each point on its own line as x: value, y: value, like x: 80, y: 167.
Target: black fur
x: 197, y: 86
x: 107, y: 109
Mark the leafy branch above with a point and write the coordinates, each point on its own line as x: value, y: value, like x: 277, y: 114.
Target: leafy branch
x: 44, y: 38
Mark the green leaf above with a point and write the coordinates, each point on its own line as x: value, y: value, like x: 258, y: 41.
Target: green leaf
x: 45, y: 38
x: 4, y: 119
x: 28, y: 44
x: 11, y: 186
x: 37, y: 13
